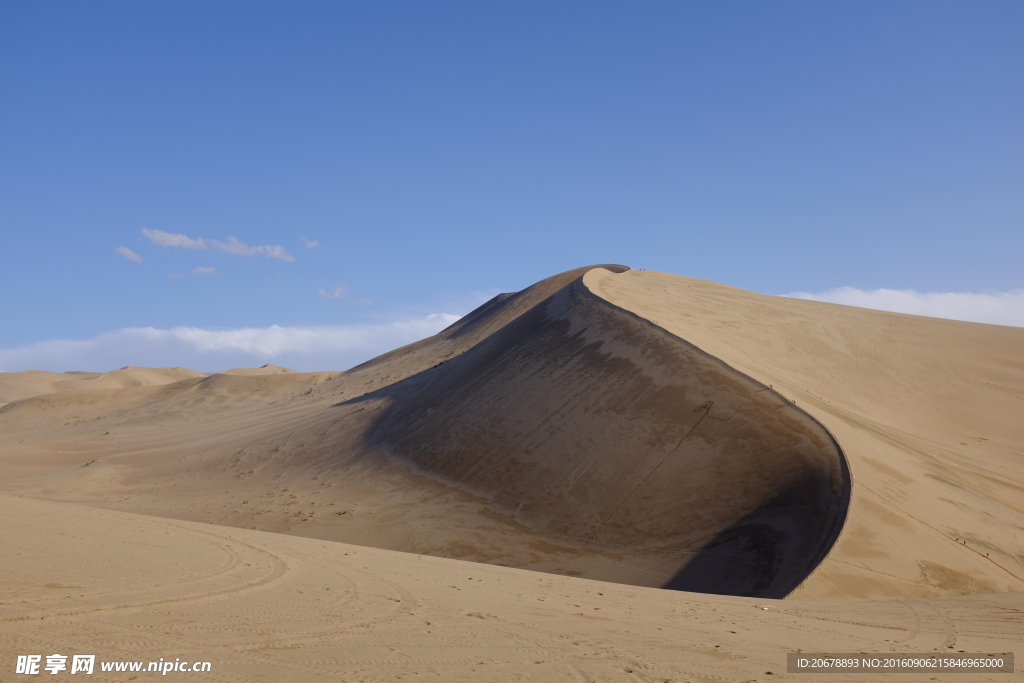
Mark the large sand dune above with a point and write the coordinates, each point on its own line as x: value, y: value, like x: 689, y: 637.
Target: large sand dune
x: 657, y: 464
x: 929, y: 413
x: 549, y: 430
x: 627, y: 426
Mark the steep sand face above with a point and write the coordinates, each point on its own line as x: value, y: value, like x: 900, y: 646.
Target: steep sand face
x: 928, y: 413
x: 559, y: 429
x: 657, y: 464
x: 475, y: 326
x: 561, y: 434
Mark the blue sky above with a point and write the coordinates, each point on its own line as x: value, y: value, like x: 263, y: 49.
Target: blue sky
x: 438, y: 153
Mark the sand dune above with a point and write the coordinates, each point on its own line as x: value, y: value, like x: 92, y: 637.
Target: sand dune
x: 15, y: 386
x: 628, y: 426
x: 267, y: 369
x: 545, y: 431
x: 928, y: 412
x: 577, y: 427
x: 18, y: 385
x: 656, y: 464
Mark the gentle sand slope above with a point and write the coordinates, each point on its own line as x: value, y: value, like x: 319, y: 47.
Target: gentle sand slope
x: 267, y: 607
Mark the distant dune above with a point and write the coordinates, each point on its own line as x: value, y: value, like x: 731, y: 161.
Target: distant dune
x: 267, y: 369
x: 626, y: 426
x: 15, y: 386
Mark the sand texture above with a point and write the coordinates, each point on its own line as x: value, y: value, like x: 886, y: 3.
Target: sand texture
x: 930, y: 414
x: 620, y: 431
x: 269, y: 607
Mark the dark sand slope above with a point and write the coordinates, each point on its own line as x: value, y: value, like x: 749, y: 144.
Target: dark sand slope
x: 658, y: 464
x: 928, y: 411
x: 548, y: 430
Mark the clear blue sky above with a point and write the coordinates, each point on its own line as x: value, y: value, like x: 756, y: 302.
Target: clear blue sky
x: 440, y: 152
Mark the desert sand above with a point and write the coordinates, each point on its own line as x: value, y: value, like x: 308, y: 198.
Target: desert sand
x: 618, y: 431
x: 929, y: 413
x: 18, y: 385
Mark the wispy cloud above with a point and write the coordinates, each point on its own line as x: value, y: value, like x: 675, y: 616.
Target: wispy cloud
x: 997, y: 308
x: 129, y: 254
x: 167, y: 239
x: 310, y: 244
x: 300, y: 348
x: 336, y: 293
x: 204, y: 270
x: 232, y: 246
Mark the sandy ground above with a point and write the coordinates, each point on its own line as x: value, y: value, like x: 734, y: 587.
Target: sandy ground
x: 269, y: 607
x: 629, y: 426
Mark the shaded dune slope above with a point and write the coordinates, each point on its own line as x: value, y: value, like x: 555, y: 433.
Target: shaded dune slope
x: 605, y: 423
x: 928, y: 412
x: 476, y: 325
x: 657, y: 463
x: 549, y: 429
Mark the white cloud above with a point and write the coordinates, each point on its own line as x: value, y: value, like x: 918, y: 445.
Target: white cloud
x: 300, y: 348
x: 997, y: 308
x: 204, y: 270
x: 336, y: 293
x: 129, y: 254
x: 232, y: 246
x: 310, y: 244
x: 166, y: 239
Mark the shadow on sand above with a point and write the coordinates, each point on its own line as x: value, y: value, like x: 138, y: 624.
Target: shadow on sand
x: 647, y: 460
